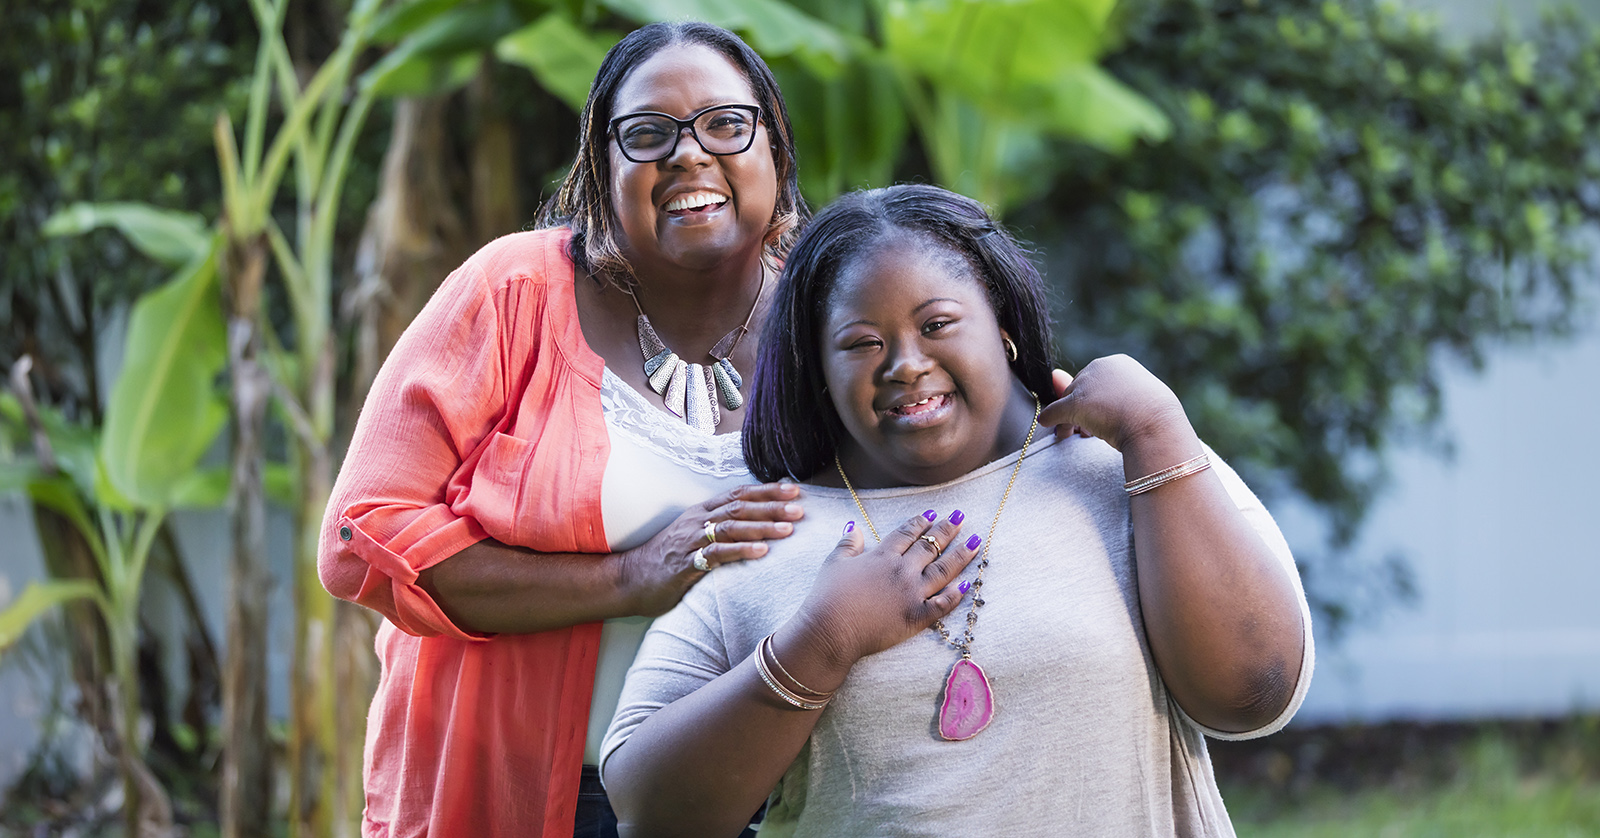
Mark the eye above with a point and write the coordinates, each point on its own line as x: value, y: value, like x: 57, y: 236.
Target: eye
x: 935, y: 325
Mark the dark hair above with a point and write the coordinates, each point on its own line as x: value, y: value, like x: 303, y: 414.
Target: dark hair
x: 583, y: 202
x: 790, y: 426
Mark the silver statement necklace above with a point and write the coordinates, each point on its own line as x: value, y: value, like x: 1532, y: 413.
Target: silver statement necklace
x: 697, y: 393
x: 967, y: 705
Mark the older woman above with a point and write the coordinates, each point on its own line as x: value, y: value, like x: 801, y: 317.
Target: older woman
x: 523, y: 470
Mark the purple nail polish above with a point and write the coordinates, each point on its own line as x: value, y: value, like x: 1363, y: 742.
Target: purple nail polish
x: 931, y: 515
x: 973, y: 542
x: 965, y: 586
x: 957, y: 517
x: 850, y: 528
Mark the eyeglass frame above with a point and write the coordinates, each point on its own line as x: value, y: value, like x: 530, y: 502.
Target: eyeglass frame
x: 677, y: 136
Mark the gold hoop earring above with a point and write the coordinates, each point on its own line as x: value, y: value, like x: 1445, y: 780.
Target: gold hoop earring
x: 1011, y: 349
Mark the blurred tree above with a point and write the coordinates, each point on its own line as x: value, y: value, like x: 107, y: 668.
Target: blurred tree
x: 1346, y: 201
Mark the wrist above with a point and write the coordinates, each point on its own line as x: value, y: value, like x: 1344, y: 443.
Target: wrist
x: 1163, y: 428
x: 624, y: 583
x: 815, y: 658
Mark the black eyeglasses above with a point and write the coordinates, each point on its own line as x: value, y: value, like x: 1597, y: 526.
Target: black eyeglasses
x: 647, y: 136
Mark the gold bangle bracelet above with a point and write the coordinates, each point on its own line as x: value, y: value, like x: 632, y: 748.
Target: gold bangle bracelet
x: 788, y: 695
x: 1167, y: 475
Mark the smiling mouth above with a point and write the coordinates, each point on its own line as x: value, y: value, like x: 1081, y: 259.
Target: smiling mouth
x: 695, y: 203
x: 927, y: 405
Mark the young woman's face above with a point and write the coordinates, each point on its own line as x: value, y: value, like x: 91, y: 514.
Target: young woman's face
x: 913, y: 358
x: 691, y: 209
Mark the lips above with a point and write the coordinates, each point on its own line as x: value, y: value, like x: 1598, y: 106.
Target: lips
x: 912, y: 408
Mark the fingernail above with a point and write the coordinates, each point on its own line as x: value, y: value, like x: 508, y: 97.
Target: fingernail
x: 965, y: 585
x: 791, y: 508
x: 973, y: 542
x: 957, y: 517
x: 784, y: 528
x: 931, y: 516
x: 850, y: 528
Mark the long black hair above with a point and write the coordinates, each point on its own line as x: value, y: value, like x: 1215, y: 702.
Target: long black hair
x: 790, y: 426
x: 583, y: 202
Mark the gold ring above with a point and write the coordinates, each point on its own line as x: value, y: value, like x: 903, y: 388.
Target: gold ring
x: 711, y: 533
x: 933, y: 541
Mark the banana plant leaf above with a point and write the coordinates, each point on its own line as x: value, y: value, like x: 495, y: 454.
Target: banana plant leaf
x: 1029, y: 61
x: 164, y: 411
x: 39, y: 598
x: 444, y: 49
x: 168, y: 236
x: 562, y: 56
x: 773, y: 28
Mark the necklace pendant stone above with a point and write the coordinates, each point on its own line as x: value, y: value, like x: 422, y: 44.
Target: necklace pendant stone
x: 968, y: 702
x: 727, y: 389
x: 697, y: 401
x: 677, y: 389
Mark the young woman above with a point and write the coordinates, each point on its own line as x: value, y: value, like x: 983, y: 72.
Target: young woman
x: 1050, y: 624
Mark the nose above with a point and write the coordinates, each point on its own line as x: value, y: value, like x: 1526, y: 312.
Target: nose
x: 907, y: 362
x: 688, y: 152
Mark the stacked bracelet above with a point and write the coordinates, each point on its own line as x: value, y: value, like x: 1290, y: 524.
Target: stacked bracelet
x: 1167, y: 475
x: 805, y: 698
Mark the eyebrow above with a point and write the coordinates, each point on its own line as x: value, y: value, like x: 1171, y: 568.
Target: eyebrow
x: 865, y: 322
x: 707, y: 103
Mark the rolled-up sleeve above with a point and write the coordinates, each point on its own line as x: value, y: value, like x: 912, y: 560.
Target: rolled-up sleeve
x: 440, y: 394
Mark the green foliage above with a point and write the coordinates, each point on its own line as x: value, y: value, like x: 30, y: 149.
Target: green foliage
x: 100, y: 100
x: 1346, y: 201
x: 165, y: 411
x: 560, y: 54
x: 38, y: 599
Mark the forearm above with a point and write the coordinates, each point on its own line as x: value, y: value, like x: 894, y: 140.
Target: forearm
x: 1222, y: 617
x: 495, y: 588
x: 704, y: 763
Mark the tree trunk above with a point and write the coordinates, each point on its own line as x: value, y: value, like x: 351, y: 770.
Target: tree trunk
x: 414, y: 235
x: 246, y: 787
x: 496, y: 205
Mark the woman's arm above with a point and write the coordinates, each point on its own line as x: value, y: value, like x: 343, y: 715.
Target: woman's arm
x: 491, y: 587
x: 1222, y: 615
x: 700, y: 765
x: 418, y: 522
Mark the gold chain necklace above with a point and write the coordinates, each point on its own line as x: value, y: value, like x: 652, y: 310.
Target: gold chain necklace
x: 968, y: 704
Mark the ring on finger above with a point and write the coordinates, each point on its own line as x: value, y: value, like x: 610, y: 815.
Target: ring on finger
x: 933, y: 542
x: 711, y: 533
x: 700, y: 562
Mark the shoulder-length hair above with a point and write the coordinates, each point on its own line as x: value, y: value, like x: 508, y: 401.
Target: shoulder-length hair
x: 790, y: 426
x: 583, y: 201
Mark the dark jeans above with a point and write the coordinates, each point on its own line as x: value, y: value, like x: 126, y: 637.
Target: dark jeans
x: 595, y: 818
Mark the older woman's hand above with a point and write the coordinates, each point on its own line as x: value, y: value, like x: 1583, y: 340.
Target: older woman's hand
x: 657, y: 573
x: 1115, y: 399
x: 864, y: 602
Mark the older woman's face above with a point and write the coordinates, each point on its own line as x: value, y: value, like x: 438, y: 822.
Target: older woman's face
x: 692, y: 209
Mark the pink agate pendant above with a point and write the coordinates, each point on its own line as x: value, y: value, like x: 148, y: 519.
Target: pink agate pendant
x: 968, y: 702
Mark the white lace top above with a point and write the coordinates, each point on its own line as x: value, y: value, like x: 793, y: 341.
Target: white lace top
x: 658, y: 467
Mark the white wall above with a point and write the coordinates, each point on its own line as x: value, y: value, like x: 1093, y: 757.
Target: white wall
x: 1505, y: 544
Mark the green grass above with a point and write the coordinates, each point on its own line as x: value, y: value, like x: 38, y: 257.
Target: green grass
x: 1497, y: 789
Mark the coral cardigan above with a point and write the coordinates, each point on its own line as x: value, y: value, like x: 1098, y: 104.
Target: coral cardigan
x: 485, y: 421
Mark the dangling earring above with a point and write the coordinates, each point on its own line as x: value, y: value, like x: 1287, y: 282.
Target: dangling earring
x: 1011, y: 349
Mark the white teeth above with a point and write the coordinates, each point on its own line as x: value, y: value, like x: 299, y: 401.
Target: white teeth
x: 694, y: 200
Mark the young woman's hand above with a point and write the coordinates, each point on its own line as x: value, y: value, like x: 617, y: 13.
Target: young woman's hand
x: 657, y: 573
x: 865, y: 602
x: 1115, y: 399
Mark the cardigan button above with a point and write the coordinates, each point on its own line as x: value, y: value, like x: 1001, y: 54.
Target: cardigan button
x: 344, y: 533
